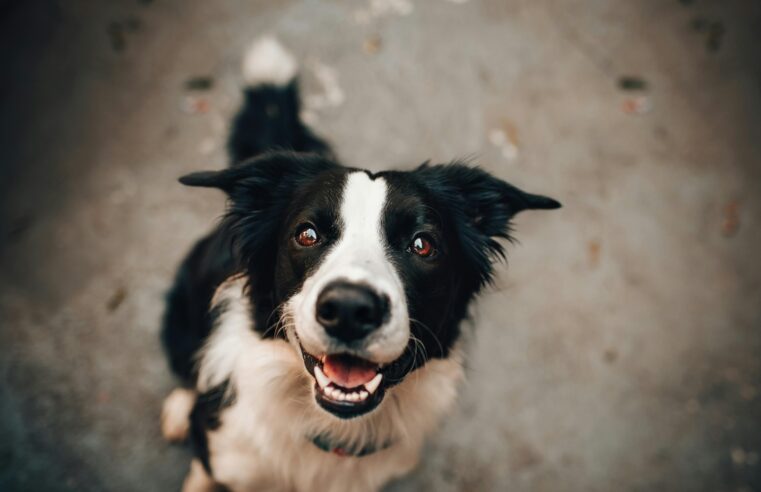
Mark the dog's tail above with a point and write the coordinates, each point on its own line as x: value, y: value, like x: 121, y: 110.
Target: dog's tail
x: 269, y: 117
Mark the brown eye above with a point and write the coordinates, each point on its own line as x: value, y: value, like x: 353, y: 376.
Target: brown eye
x: 423, y: 246
x: 306, y: 236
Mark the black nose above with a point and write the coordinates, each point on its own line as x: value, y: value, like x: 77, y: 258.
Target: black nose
x: 350, y: 311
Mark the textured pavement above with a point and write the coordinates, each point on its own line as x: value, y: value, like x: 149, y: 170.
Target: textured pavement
x: 618, y: 351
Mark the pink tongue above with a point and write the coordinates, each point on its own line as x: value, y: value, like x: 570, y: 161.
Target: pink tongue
x: 348, y: 371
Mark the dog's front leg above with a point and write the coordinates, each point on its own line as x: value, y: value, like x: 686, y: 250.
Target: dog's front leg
x: 175, y: 414
x: 198, y: 480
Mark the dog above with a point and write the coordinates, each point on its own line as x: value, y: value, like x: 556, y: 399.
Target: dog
x: 317, y: 327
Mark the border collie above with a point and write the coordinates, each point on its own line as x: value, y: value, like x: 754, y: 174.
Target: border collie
x: 316, y: 327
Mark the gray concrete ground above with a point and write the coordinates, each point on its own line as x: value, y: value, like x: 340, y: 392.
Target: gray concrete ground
x: 619, y: 350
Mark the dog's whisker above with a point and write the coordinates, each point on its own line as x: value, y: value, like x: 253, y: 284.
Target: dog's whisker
x: 433, y: 334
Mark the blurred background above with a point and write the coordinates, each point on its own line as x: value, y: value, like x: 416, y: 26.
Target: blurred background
x: 618, y: 351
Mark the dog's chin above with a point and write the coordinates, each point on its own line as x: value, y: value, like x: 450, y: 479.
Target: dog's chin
x: 347, y: 386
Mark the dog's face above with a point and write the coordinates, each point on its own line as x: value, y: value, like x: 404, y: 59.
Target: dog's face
x: 368, y: 275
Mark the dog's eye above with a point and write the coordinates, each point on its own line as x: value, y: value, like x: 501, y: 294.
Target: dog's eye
x: 307, y: 236
x: 423, y: 246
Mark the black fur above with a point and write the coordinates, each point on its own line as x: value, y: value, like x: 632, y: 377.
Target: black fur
x: 206, y: 416
x: 269, y: 119
x: 187, y: 321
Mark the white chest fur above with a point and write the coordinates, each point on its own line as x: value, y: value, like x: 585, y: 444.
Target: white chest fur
x: 263, y: 442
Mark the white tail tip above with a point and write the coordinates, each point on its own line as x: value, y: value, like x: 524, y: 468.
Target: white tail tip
x: 267, y: 62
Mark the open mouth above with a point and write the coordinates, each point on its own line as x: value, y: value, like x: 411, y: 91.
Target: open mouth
x: 348, y: 386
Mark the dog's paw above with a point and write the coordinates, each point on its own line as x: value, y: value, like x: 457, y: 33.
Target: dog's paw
x: 175, y: 415
x: 198, y: 480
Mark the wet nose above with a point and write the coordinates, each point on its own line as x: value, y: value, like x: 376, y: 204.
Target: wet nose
x: 350, y: 311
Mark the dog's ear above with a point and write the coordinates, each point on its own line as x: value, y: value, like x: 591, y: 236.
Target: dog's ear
x: 259, y: 192
x: 211, y: 179
x: 260, y: 173
x: 481, y: 207
x: 261, y: 183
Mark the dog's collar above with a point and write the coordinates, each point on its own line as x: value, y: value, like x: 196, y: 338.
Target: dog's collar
x: 342, y: 449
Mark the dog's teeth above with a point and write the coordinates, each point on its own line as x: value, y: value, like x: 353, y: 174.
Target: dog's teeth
x: 320, y: 376
x: 373, y: 384
x: 338, y: 394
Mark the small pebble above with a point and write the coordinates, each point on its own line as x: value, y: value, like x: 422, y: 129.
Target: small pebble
x: 632, y: 83
x: 610, y: 356
x: 195, y: 105
x: 637, y: 105
x: 199, y: 83
x: 731, y: 223
x: 593, y: 251
x: 116, y: 299
x: 372, y: 44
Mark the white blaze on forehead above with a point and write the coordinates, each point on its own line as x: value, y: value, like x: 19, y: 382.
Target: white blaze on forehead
x: 362, y: 210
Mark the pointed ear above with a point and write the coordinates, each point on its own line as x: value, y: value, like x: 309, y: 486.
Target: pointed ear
x: 207, y: 179
x: 521, y: 200
x: 480, y: 207
x: 263, y: 173
x: 276, y: 164
x: 488, y: 202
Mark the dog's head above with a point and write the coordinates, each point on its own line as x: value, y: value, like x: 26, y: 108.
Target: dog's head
x: 367, y: 275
